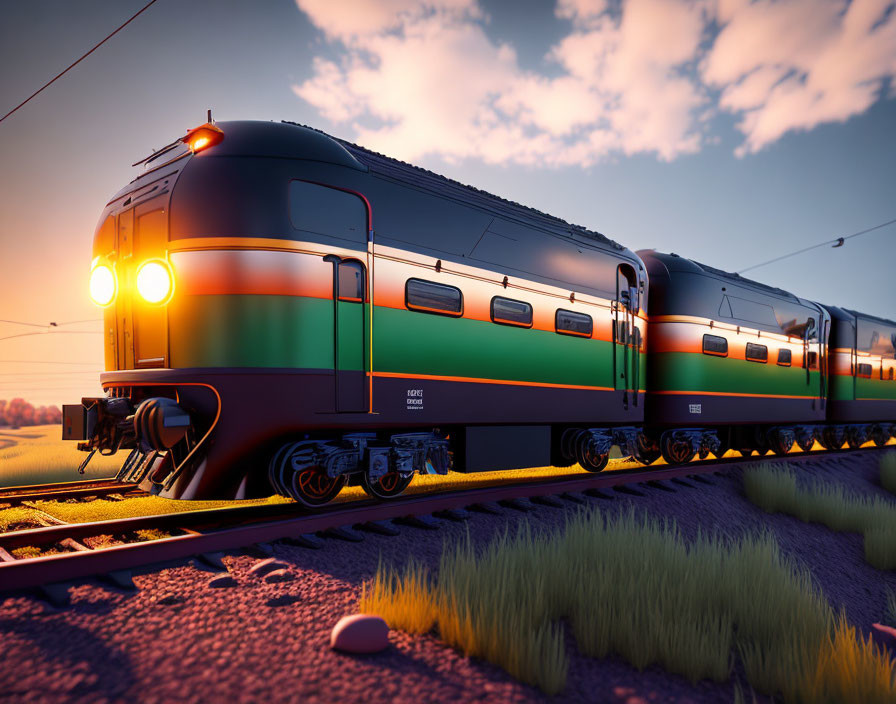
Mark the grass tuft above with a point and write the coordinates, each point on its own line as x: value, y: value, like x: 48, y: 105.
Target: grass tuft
x: 629, y: 585
x: 888, y: 472
x: 891, y: 608
x: 850, y: 668
x: 776, y: 491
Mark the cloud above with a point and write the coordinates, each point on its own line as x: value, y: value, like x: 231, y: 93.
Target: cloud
x: 424, y: 78
x: 793, y: 65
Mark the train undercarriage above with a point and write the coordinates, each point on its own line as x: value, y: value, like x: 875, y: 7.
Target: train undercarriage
x: 169, y: 447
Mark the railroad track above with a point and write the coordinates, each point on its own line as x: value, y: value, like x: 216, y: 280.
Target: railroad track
x: 17, y: 495
x: 207, y: 533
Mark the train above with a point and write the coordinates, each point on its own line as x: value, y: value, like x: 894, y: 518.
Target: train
x: 287, y: 312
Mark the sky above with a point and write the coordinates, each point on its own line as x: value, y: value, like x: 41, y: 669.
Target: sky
x: 727, y: 131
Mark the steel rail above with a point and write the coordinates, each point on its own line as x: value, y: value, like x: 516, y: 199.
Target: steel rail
x: 33, y: 572
x: 65, y: 490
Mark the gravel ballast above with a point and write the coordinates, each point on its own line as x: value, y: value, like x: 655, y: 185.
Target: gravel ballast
x: 263, y: 634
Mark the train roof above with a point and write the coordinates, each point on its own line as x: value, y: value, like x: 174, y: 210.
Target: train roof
x: 442, y: 185
x: 839, y: 312
x: 675, y: 262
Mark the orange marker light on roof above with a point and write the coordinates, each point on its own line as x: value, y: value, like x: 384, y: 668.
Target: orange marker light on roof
x: 203, y: 137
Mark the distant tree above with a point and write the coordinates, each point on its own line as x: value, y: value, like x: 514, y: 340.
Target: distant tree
x: 15, y: 412
x: 19, y: 412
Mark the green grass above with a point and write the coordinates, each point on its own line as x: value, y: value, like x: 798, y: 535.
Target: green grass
x: 888, y: 472
x: 776, y: 491
x: 39, y: 456
x: 630, y: 585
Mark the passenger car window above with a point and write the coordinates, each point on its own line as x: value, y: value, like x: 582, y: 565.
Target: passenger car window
x: 864, y: 370
x: 756, y: 353
x: 784, y: 358
x: 715, y: 345
x: 569, y: 323
x: 510, y: 312
x: 430, y: 297
x: 812, y: 360
x: 351, y: 281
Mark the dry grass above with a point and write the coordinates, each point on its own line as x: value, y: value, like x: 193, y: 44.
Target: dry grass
x: 849, y: 668
x: 627, y: 585
x: 776, y: 491
x: 40, y: 457
x: 101, y: 510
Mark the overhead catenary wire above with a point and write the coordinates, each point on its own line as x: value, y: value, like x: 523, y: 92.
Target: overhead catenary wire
x: 71, y: 66
x: 42, y: 361
x: 52, y: 324
x: 53, y: 333
x: 836, y: 242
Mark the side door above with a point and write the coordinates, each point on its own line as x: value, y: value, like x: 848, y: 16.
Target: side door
x: 351, y: 336
x: 626, y: 335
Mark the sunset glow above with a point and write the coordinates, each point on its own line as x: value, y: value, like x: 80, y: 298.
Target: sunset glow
x: 725, y: 130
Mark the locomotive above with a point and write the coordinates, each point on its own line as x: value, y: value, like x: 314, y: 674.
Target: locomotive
x: 288, y: 312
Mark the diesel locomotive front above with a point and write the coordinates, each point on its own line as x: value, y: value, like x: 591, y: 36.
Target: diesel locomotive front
x: 285, y: 311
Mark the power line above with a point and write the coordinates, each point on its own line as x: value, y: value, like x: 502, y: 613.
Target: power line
x: 43, y: 374
x: 40, y: 361
x: 52, y: 324
x: 836, y: 242
x: 53, y: 332
x: 97, y: 46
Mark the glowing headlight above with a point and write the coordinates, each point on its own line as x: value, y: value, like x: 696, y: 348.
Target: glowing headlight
x: 102, y: 285
x: 154, y: 282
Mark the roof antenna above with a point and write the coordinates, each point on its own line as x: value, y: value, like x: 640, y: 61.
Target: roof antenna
x: 209, y: 120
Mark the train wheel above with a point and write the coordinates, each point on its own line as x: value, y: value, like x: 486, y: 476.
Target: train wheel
x: 277, y: 467
x: 831, y: 438
x: 855, y: 438
x: 676, y: 451
x: 806, y: 446
x: 647, y: 450
x: 879, y: 435
x: 780, y: 443
x: 724, y: 446
x: 312, y: 487
x: 590, y: 460
x: 387, y: 486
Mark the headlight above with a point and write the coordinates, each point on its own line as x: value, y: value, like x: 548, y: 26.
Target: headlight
x: 154, y: 282
x: 102, y: 285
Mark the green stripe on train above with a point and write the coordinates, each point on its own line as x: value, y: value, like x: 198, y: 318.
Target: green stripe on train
x: 287, y: 331
x: 686, y: 371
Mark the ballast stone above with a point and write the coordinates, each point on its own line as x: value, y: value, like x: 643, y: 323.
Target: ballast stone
x: 263, y: 567
x: 361, y: 633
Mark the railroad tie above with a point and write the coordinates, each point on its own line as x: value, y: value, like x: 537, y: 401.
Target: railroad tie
x: 486, y: 507
x: 346, y: 533
x: 306, y: 540
x: 682, y: 482
x: 378, y: 527
x: 425, y: 522
x: 458, y: 515
x: 520, y: 504
x: 547, y: 500
x: 626, y: 489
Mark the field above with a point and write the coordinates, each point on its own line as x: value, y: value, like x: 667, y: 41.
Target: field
x: 36, y: 455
